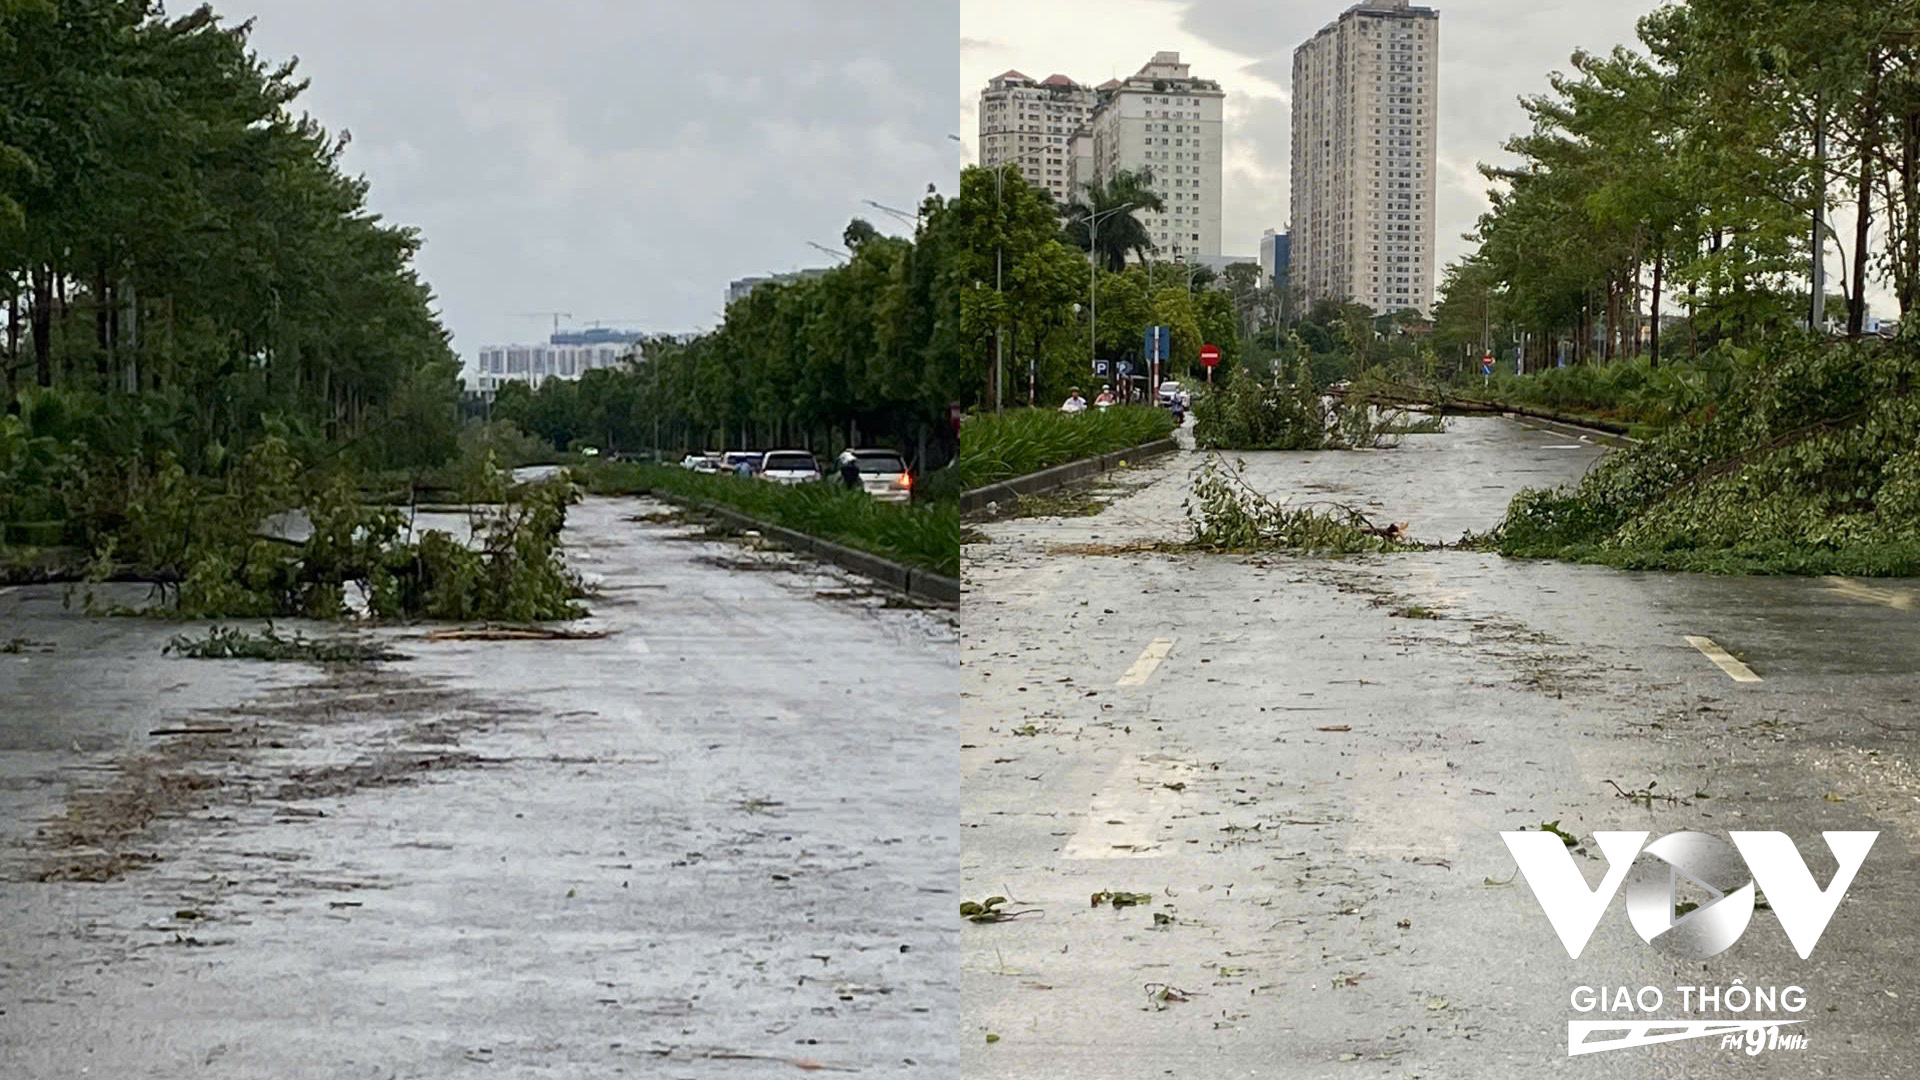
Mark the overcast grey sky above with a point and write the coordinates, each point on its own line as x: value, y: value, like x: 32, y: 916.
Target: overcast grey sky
x: 623, y: 161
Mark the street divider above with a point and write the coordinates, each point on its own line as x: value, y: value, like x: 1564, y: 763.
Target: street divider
x: 913, y: 581
x: 1575, y: 429
x: 914, y: 550
x: 1061, y: 475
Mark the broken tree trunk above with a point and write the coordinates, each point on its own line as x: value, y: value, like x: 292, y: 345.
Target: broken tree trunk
x: 1869, y: 146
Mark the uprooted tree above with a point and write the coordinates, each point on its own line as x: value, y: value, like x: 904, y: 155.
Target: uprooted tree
x: 1290, y: 412
x: 1809, y: 464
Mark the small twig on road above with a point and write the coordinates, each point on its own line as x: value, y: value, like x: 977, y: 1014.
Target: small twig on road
x: 1158, y: 994
x: 992, y: 910
x: 1645, y: 796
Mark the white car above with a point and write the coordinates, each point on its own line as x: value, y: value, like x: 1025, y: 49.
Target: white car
x: 1169, y: 392
x: 731, y: 460
x: 884, y: 475
x: 701, y: 463
x: 789, y: 467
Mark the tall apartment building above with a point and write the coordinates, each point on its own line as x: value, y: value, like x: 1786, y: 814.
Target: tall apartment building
x: 1032, y: 123
x: 1365, y: 97
x: 1080, y: 161
x: 1164, y: 120
x: 1276, y: 257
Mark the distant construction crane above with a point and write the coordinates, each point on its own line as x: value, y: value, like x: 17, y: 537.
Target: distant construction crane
x: 557, y: 316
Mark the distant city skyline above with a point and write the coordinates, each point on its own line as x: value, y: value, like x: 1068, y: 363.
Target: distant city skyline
x: 1493, y: 52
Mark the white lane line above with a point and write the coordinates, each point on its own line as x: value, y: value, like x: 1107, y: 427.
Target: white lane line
x: 1125, y: 820
x: 1150, y: 658
x: 1722, y: 659
x: 1897, y: 599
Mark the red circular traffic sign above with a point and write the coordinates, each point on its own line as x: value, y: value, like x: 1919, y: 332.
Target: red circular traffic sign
x: 1209, y: 355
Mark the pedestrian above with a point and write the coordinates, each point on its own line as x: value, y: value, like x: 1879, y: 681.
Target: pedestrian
x: 744, y: 468
x: 850, y: 471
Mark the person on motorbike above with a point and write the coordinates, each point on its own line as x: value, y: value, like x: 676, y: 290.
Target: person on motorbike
x: 1074, y: 403
x: 1106, y: 397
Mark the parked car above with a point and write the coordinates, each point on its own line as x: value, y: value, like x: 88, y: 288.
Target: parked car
x: 701, y: 463
x: 884, y: 475
x: 730, y: 461
x: 789, y: 467
x: 1169, y: 391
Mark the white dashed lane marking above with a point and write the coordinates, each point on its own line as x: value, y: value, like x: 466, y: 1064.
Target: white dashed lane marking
x: 1150, y: 658
x: 1127, y: 818
x: 1897, y: 599
x: 1722, y: 659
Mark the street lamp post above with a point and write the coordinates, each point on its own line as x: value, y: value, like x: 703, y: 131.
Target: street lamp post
x: 1093, y: 280
x: 901, y: 214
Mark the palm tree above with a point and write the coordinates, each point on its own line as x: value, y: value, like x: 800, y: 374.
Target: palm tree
x: 1121, y: 233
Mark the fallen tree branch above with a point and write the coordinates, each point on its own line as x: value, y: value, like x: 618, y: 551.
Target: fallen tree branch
x: 492, y: 633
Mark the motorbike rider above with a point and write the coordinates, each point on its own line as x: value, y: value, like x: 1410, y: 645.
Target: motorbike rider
x: 1074, y: 403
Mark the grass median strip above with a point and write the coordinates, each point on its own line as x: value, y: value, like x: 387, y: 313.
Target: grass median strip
x: 926, y: 535
x: 1001, y: 446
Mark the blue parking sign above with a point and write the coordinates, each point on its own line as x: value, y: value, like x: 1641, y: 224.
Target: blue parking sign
x: 1159, y: 343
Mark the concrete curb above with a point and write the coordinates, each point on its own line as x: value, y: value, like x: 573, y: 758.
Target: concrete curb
x: 1578, y: 431
x: 1061, y: 475
x: 913, y: 581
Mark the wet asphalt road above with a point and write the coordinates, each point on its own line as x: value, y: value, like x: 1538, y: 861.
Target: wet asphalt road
x: 717, y: 843
x: 1335, y: 895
